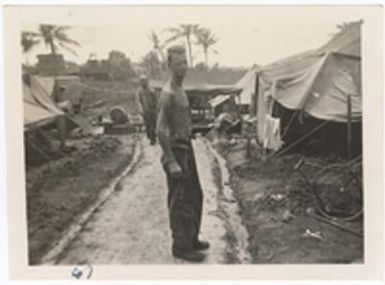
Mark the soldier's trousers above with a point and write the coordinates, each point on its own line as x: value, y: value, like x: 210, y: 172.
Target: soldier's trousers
x: 149, y: 119
x: 185, y: 200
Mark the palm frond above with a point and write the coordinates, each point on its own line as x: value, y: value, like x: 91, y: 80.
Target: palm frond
x: 173, y: 38
x: 30, y: 34
x: 67, y: 48
x: 29, y: 40
x: 56, y: 36
x: 206, y: 38
x: 62, y: 29
x: 173, y: 30
x: 61, y: 37
x: 154, y: 38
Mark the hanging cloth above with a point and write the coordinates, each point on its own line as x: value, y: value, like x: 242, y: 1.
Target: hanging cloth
x: 272, y: 133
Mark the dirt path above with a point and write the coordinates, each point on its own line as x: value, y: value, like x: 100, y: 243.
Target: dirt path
x: 132, y: 226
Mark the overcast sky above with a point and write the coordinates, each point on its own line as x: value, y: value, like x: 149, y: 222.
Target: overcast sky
x: 248, y: 36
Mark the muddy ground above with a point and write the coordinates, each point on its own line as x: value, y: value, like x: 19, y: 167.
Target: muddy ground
x: 275, y: 207
x: 59, y: 191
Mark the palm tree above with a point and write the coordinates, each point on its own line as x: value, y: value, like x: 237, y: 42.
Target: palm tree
x: 206, y: 39
x: 185, y: 31
x: 55, y: 37
x: 157, y: 45
x: 28, y: 41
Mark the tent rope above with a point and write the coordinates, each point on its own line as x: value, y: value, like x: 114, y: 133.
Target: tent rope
x: 38, y: 149
x: 104, y: 90
x: 311, y: 132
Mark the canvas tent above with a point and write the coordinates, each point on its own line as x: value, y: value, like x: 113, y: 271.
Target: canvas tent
x: 220, y: 99
x: 43, y: 121
x: 69, y: 86
x: 39, y: 109
x: 317, y: 82
x: 247, y: 86
x: 222, y: 103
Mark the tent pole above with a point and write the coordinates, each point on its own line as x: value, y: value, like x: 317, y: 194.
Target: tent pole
x: 289, y: 124
x: 62, y: 131
x: 254, y: 99
x: 253, y: 111
x: 349, y: 126
x: 256, y: 95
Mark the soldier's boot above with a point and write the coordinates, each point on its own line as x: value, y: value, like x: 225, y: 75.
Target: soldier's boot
x: 201, y: 245
x: 188, y: 254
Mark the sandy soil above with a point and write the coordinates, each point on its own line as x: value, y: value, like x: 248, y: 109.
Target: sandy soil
x: 132, y: 227
x: 273, y: 208
x: 58, y: 191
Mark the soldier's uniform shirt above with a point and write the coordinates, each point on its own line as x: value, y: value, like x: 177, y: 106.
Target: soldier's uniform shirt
x: 148, y: 103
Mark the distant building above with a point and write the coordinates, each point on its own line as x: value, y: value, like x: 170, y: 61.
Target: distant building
x: 96, y: 69
x: 51, y: 64
x: 72, y: 68
x: 223, y: 103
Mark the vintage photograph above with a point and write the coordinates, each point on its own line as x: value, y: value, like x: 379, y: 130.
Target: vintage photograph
x: 209, y: 140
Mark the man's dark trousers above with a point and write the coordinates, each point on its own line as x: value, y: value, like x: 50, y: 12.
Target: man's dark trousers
x: 185, y: 199
x: 149, y: 118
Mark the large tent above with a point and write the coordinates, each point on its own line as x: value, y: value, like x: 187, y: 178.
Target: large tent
x: 318, y: 82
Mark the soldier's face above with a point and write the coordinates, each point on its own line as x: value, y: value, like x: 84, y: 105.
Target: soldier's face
x: 178, y: 65
x: 143, y: 82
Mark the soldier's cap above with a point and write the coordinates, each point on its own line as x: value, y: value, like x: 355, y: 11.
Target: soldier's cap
x: 143, y: 77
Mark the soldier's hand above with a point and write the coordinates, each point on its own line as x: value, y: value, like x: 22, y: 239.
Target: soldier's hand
x: 175, y: 170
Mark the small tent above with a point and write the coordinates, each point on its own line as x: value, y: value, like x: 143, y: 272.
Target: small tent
x: 69, y: 88
x: 247, y: 85
x: 39, y: 108
x: 317, y: 82
x: 41, y: 115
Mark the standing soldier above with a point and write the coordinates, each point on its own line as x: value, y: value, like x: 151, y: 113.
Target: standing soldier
x: 147, y: 104
x: 184, y: 190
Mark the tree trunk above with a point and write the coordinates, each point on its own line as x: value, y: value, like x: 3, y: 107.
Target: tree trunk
x: 206, y: 52
x: 53, y: 51
x: 189, y: 50
x: 52, y: 47
x: 163, y: 59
